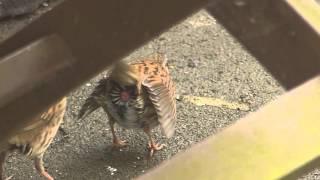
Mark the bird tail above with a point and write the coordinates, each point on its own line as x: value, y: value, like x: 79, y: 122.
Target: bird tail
x: 88, y: 107
x: 92, y: 102
x: 159, y: 57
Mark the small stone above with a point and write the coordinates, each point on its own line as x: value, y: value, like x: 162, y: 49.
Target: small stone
x: 88, y: 84
x: 179, y: 97
x: 192, y: 63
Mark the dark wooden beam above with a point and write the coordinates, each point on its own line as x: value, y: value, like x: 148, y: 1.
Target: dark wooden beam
x: 281, y: 36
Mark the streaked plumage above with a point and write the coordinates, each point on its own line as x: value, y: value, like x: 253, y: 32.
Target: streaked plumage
x: 139, y: 95
x: 34, y: 139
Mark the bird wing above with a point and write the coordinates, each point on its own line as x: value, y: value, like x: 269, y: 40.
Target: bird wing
x: 34, y: 138
x: 161, y: 92
x: 46, y: 117
x: 95, y: 99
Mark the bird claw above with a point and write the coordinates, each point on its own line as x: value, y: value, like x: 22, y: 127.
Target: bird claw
x: 47, y: 175
x: 119, y: 143
x: 154, y: 147
x: 8, y: 178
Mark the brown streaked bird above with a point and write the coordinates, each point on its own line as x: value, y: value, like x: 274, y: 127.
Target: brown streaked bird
x: 34, y: 139
x: 139, y: 95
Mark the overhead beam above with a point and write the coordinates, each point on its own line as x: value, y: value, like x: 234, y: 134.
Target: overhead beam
x: 284, y: 35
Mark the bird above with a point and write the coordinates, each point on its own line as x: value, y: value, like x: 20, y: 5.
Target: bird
x: 136, y: 95
x: 33, y: 139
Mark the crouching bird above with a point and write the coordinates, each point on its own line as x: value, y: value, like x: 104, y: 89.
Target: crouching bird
x: 139, y: 95
x: 34, y: 139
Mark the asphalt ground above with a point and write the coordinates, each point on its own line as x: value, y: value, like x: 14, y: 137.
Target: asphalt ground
x: 204, y: 60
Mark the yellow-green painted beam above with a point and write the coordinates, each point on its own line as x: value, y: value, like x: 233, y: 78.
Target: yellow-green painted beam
x: 268, y: 144
x: 309, y: 10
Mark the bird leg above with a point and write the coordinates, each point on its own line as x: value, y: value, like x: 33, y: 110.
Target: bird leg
x: 3, y: 156
x: 38, y: 163
x: 117, y: 143
x: 152, y: 146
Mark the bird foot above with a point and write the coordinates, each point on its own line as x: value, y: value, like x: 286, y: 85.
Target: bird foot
x: 47, y: 175
x: 8, y: 178
x: 153, y: 147
x: 119, y: 143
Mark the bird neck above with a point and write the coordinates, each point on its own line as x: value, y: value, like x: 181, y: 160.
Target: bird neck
x: 125, y: 74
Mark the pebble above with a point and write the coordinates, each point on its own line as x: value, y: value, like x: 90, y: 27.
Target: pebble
x: 112, y: 170
x: 192, y: 63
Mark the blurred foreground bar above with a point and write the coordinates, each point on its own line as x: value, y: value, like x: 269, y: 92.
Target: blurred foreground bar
x: 269, y: 144
x: 284, y: 35
x: 70, y: 44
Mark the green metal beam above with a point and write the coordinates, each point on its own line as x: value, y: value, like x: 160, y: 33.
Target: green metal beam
x: 268, y: 144
x: 308, y: 10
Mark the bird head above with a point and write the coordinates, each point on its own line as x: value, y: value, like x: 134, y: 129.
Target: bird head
x: 124, y: 74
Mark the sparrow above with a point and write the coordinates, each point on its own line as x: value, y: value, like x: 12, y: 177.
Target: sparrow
x: 34, y: 139
x: 138, y: 95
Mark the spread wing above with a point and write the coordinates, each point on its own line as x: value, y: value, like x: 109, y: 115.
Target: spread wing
x: 161, y: 91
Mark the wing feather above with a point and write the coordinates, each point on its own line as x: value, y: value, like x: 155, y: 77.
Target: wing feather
x: 161, y: 92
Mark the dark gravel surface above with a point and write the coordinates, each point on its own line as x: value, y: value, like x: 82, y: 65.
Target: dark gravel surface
x: 204, y: 61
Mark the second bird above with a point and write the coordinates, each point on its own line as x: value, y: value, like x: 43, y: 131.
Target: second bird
x: 138, y: 95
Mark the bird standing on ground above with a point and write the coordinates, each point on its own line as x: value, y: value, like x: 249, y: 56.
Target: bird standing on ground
x: 34, y: 139
x: 139, y: 95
